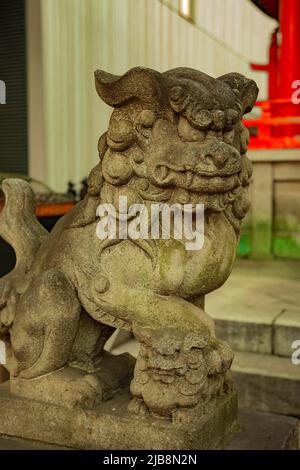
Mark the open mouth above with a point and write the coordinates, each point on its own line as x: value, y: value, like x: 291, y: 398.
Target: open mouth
x: 199, y: 180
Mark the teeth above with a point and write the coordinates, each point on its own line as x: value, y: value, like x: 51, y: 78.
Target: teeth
x: 189, y: 177
x: 230, y: 196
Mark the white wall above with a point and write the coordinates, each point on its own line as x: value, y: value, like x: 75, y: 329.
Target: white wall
x: 79, y: 36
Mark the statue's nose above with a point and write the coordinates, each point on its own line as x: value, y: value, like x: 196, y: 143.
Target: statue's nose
x: 221, y: 156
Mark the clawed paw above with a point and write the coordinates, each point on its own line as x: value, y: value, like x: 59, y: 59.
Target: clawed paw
x: 137, y: 406
x: 219, y: 357
x: 84, y: 392
x: 168, y: 341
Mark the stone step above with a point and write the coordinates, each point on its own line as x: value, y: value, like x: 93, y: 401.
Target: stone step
x: 265, y: 336
x: 266, y: 431
x: 267, y: 383
x: 264, y: 319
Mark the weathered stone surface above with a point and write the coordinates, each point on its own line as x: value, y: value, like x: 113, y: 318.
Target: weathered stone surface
x: 257, y: 431
x: 267, y: 383
x: 112, y: 427
x: 173, y: 138
x: 286, y: 332
x: 9, y: 443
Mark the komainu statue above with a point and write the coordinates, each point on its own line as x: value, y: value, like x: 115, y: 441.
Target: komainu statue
x: 173, y: 138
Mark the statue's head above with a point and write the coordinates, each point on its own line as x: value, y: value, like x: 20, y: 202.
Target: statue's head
x: 180, y: 131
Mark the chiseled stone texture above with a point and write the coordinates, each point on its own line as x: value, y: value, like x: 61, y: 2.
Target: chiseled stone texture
x: 267, y: 383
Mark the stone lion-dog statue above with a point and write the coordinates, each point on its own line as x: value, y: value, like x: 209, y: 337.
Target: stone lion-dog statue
x: 173, y: 137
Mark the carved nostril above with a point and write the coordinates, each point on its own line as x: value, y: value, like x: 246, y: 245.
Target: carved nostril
x: 220, y: 159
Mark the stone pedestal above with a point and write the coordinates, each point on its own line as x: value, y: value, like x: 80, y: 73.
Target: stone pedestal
x: 110, y: 426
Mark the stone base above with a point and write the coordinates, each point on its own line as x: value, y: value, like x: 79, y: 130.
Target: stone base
x: 259, y: 431
x: 111, y: 427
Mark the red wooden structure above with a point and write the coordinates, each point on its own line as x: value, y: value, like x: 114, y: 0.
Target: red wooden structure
x: 278, y: 125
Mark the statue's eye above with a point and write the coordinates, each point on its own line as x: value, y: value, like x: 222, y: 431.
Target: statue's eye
x: 120, y: 135
x: 188, y: 133
x: 146, y: 118
x: 145, y: 122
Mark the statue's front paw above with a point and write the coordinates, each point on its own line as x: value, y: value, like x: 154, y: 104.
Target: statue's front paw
x: 85, y: 392
x: 67, y: 387
x: 169, y: 341
x: 137, y: 406
x: 219, y: 357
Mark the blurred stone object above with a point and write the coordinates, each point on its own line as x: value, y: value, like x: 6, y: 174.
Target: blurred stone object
x: 43, y: 193
x: 71, y: 191
x: 83, y: 189
x: 175, y: 137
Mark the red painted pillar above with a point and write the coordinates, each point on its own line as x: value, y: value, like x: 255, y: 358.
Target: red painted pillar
x: 273, y: 66
x: 289, y: 53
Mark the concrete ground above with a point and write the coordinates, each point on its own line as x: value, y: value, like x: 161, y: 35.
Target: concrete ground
x: 256, y: 287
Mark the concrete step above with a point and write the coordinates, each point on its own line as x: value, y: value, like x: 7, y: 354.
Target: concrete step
x: 257, y: 314
x: 260, y: 335
x: 266, y: 431
x: 267, y: 383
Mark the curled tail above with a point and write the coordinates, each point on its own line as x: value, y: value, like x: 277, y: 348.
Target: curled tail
x: 18, y: 224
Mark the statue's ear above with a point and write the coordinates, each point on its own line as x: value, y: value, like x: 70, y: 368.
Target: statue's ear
x: 139, y: 83
x: 245, y: 89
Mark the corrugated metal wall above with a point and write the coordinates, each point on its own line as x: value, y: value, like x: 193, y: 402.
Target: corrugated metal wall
x: 82, y: 35
x: 13, y: 114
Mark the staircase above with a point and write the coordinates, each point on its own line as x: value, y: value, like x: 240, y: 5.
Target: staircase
x: 257, y: 312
